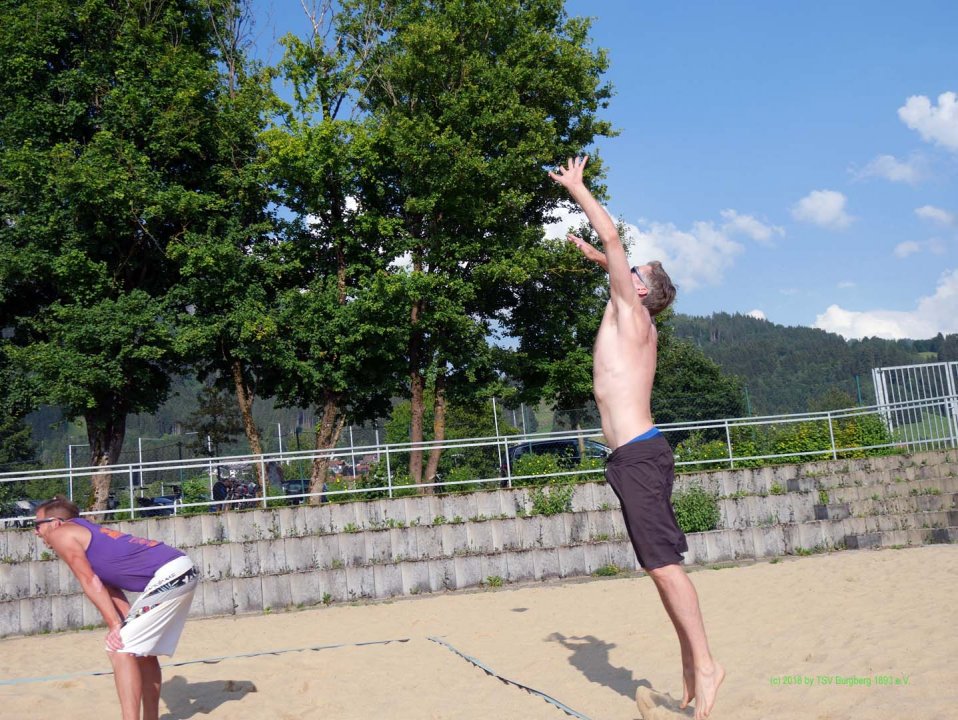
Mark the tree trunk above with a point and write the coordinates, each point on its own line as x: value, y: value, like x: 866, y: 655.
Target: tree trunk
x: 105, y: 434
x: 438, y: 427
x: 245, y: 396
x: 417, y: 385
x: 327, y: 435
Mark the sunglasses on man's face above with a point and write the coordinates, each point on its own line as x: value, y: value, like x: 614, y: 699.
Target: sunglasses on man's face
x: 38, y: 523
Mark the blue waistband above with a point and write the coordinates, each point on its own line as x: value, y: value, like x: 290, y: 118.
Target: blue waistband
x: 647, y: 435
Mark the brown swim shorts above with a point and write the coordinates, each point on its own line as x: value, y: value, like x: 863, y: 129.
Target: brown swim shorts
x: 641, y: 473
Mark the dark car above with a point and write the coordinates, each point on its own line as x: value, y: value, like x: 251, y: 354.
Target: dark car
x: 567, y: 450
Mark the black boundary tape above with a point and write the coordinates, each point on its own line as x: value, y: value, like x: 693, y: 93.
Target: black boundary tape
x: 205, y: 661
x: 489, y: 671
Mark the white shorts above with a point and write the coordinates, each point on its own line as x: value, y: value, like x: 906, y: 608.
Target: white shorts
x: 155, y: 621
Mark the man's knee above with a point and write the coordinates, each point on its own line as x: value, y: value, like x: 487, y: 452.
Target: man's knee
x: 664, y: 573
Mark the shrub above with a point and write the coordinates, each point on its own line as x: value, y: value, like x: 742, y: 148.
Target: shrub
x: 552, y: 499
x: 696, y: 509
x: 532, y: 464
x: 695, y: 447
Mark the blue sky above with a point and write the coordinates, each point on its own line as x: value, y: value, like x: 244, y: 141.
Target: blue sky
x: 793, y: 160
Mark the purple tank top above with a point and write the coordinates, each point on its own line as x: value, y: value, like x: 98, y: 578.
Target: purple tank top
x: 124, y: 561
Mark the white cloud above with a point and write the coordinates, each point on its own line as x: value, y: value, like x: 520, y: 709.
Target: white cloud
x: 846, y: 284
x: 934, y: 214
x: 932, y: 314
x: 909, y: 247
x: 823, y: 207
x: 757, y: 314
x: 748, y: 225
x: 891, y: 168
x: 693, y: 258
x: 934, y: 124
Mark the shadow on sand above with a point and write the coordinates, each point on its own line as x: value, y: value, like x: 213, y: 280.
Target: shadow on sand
x: 185, y: 699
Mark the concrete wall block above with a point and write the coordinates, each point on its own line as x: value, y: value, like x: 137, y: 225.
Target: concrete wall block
x: 68, y: 582
x: 388, y: 580
x: 596, y: 555
x: 462, y: 506
x: 619, y: 531
x: 718, y: 546
x: 10, y: 618
x: 319, y: 518
x: 480, y: 539
x: 468, y: 571
x: 353, y: 547
x: 66, y: 611
x: 505, y: 534
x: 300, y: 553
x: 545, y: 563
x: 603, y: 496
x: 306, y: 588
x: 455, y: 539
x: 143, y: 527
x: 272, y: 557
x: 600, y: 525
x: 336, y: 586
x: 248, y: 594
x: 435, y: 507
x: 577, y: 527
x: 214, y: 561
x: 343, y: 515
x: 520, y: 566
x: 530, y: 532
x: 697, y: 549
x: 552, y: 530
x: 327, y: 551
x: 521, y: 502
x: 187, y: 532
x: 244, y: 559
x: 240, y: 526
x: 44, y: 578
x: 277, y: 594
x: 741, y: 543
x: 489, y: 504
x: 415, y: 577
x: 36, y: 615
x: 442, y: 574
x: 214, y: 528
x: 15, y: 580
x: 403, y: 543
x: 24, y: 546
x: 292, y: 521
x: 583, y: 498
x: 429, y: 541
x: 198, y: 604
x: 92, y: 616
x: 416, y: 510
x: 372, y: 513
x: 768, y: 542
x: 493, y: 566
x: 572, y: 561
x: 729, y: 515
x: 622, y: 555
x: 378, y: 546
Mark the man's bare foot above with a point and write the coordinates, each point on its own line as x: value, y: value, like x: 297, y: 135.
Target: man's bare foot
x: 706, y: 688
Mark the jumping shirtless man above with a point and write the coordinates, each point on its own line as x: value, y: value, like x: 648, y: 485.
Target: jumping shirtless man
x: 641, y: 468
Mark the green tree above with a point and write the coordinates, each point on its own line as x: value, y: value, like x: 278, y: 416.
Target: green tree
x: 230, y: 261
x: 216, y: 421
x: 688, y: 385
x: 339, y: 338
x: 105, y: 131
x: 466, y: 103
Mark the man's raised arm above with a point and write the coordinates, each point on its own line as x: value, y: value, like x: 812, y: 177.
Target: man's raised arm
x: 614, y: 260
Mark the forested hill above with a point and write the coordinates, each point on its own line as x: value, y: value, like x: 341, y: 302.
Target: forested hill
x: 794, y: 369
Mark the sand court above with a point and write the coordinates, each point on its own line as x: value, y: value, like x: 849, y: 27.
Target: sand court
x: 855, y: 634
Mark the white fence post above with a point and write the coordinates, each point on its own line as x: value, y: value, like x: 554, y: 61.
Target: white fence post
x: 728, y: 441
x: 831, y: 435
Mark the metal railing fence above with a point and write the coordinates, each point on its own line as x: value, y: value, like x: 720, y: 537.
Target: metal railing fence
x: 727, y: 443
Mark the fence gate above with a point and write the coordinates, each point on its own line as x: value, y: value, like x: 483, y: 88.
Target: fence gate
x: 918, y: 403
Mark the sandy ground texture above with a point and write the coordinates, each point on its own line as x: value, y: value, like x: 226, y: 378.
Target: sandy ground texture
x: 856, y: 634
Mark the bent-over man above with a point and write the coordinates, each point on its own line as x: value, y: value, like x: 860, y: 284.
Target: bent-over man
x: 641, y: 467
x: 106, y: 562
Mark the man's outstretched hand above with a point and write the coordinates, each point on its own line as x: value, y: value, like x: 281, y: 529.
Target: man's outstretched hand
x: 571, y: 175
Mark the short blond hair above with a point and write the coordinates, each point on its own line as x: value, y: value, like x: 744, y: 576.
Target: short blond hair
x: 59, y: 507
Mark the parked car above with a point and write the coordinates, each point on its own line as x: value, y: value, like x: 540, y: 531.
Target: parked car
x: 567, y: 450
x: 20, y: 510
